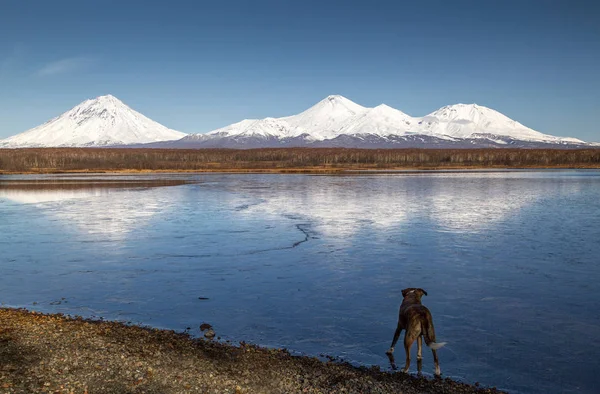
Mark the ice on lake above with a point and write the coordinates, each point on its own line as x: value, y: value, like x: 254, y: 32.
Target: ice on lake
x: 316, y: 263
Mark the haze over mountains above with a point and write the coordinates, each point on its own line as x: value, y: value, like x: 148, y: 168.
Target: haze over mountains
x: 333, y: 122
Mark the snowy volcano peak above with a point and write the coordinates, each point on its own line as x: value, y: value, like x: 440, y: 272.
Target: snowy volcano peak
x: 107, y: 98
x: 334, y: 105
x: 268, y: 127
x: 473, y: 120
x: 105, y: 102
x: 104, y: 107
x: 385, y: 107
x: 324, y: 119
x: 386, y: 110
x: 383, y: 121
x: 101, y: 121
x: 472, y: 113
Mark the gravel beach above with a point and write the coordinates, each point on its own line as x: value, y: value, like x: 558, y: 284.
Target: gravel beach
x: 41, y: 353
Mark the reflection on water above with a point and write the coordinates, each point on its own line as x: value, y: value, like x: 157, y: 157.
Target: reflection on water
x: 317, y: 263
x: 112, y: 207
x: 348, y: 205
x: 38, y: 196
x: 337, y: 208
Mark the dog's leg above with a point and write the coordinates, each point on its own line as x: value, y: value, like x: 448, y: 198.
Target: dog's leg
x: 408, y: 341
x: 419, y: 366
x: 392, y: 361
x: 396, y: 336
x: 436, y: 362
x: 419, y: 348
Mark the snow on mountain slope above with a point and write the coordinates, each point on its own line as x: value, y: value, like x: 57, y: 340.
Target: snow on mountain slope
x: 382, y: 121
x: 255, y: 127
x: 324, y: 119
x: 471, y: 120
x: 102, y: 121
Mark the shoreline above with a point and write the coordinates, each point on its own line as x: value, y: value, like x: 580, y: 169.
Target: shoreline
x: 304, y: 170
x: 54, y: 353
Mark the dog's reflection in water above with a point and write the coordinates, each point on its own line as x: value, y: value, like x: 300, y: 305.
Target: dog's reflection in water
x: 395, y: 367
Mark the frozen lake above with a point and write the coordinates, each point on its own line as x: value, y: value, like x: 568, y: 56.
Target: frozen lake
x: 316, y: 263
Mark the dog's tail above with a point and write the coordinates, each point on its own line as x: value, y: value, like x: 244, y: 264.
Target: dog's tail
x: 429, y: 335
x: 436, y: 345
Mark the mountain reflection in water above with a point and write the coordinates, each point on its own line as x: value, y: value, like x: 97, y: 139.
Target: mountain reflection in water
x: 111, y: 206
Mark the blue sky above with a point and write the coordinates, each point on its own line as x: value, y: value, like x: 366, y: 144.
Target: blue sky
x: 199, y: 65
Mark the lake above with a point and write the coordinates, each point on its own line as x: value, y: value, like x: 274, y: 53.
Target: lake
x: 316, y: 263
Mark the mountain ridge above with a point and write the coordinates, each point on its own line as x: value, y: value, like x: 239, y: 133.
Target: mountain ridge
x: 333, y: 121
x: 337, y: 121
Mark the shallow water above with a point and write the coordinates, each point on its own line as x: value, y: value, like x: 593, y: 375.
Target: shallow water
x: 316, y: 263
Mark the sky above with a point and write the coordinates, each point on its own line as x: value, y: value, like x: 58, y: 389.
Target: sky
x: 195, y: 66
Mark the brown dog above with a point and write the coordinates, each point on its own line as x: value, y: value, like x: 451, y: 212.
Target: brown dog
x: 416, y: 319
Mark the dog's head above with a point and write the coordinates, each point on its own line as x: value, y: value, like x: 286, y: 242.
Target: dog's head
x: 418, y: 292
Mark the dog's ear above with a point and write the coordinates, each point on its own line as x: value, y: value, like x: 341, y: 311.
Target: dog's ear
x: 423, y: 291
x: 405, y: 292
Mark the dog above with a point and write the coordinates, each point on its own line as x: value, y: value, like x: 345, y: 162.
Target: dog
x: 416, y: 319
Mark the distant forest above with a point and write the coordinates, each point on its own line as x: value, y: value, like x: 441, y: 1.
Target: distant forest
x: 44, y: 160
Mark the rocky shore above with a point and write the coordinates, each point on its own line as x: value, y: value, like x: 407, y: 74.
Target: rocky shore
x: 42, y: 353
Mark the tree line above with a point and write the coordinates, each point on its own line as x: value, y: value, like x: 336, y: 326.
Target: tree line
x: 268, y: 159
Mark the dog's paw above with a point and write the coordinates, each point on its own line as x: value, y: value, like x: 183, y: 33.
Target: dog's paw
x: 405, y: 370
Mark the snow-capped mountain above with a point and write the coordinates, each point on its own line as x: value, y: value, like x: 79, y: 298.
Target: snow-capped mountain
x: 102, y: 121
x: 472, y: 121
x: 338, y: 122
x: 323, y: 120
x: 334, y: 121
